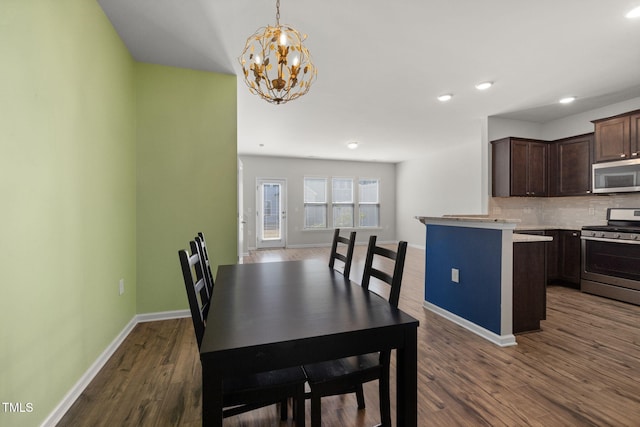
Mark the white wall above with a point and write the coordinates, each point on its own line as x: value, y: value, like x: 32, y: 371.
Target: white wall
x: 446, y: 181
x: 501, y: 128
x: 453, y: 180
x: 577, y: 124
x: 293, y: 170
x: 563, y: 212
x: 581, y: 123
x: 456, y: 180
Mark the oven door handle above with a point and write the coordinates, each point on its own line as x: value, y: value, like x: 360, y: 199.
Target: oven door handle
x: 600, y: 239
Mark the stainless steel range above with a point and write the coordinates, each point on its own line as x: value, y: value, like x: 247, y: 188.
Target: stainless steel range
x: 611, y: 256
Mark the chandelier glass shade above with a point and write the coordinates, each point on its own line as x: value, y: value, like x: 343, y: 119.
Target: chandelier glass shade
x: 275, y: 63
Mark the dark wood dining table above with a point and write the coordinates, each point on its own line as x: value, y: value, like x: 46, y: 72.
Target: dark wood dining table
x: 275, y: 315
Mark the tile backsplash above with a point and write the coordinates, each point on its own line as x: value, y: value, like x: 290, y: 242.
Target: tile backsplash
x: 564, y: 212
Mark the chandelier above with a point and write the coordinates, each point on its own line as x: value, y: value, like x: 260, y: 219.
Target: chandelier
x: 275, y: 63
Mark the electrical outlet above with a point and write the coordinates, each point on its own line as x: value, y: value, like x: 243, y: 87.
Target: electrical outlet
x: 455, y: 275
x: 121, y: 286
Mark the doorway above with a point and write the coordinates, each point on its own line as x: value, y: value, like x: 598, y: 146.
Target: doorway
x: 271, y: 210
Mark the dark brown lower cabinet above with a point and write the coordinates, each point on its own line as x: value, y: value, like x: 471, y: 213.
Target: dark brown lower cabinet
x: 529, y: 286
x: 553, y: 246
x: 563, y: 256
x: 569, y: 258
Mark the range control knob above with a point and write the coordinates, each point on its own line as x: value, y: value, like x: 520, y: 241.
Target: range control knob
x: 601, y: 234
x: 634, y: 236
x: 616, y: 236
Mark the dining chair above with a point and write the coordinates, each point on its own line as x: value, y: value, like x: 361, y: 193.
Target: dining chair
x: 203, y: 251
x: 343, y: 254
x: 347, y: 375
x: 247, y: 392
x: 197, y: 292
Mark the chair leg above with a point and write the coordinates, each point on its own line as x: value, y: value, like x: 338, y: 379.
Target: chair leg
x: 298, y: 409
x: 316, y: 411
x: 283, y: 409
x: 385, y: 401
x: 360, y: 396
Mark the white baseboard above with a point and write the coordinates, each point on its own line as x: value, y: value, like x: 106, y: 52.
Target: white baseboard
x: 309, y: 245
x: 501, y: 340
x: 328, y: 245
x: 163, y: 315
x: 69, y: 399
x: 421, y: 247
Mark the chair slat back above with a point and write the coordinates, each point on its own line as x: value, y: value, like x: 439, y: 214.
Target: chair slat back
x: 205, y: 256
x: 201, y: 250
x: 395, y: 279
x: 197, y: 293
x: 345, y: 257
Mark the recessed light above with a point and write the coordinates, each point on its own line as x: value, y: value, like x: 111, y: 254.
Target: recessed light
x: 567, y: 100
x: 352, y: 145
x: 445, y: 97
x: 633, y: 13
x: 484, y: 85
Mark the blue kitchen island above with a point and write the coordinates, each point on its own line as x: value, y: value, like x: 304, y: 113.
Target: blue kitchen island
x: 469, y: 275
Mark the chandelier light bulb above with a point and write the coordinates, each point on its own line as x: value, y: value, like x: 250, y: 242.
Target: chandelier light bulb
x: 283, y: 39
x: 258, y: 60
x: 296, y: 61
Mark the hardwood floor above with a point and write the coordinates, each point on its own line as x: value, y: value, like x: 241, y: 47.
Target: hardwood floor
x: 582, y: 369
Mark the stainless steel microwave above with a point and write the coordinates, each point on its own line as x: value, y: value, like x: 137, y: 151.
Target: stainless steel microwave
x: 616, y: 177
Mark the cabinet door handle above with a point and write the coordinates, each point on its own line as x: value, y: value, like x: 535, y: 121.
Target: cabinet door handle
x: 634, y: 154
x: 622, y: 155
x: 574, y: 234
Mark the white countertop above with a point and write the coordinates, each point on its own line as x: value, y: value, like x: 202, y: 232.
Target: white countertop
x: 485, y: 221
x: 467, y: 218
x: 527, y: 238
x: 544, y: 227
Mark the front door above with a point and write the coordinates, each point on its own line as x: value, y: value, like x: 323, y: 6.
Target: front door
x: 271, y: 213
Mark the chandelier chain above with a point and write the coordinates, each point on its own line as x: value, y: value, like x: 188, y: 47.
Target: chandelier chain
x: 277, y: 13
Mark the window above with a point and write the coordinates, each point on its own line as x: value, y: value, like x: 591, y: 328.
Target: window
x: 348, y: 208
x: 315, y: 203
x: 342, y: 198
x: 369, y: 203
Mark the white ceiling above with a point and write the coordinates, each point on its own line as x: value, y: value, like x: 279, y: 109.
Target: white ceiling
x: 381, y: 65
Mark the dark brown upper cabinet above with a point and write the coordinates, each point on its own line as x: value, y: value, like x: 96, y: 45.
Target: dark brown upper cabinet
x: 520, y: 167
x: 617, y: 138
x: 570, y: 166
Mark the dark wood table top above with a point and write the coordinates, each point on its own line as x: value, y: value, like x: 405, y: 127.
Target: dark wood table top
x: 276, y: 315
x: 256, y: 305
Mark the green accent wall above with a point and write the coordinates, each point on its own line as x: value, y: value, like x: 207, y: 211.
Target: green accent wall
x: 95, y: 154
x: 67, y: 194
x: 187, y: 176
